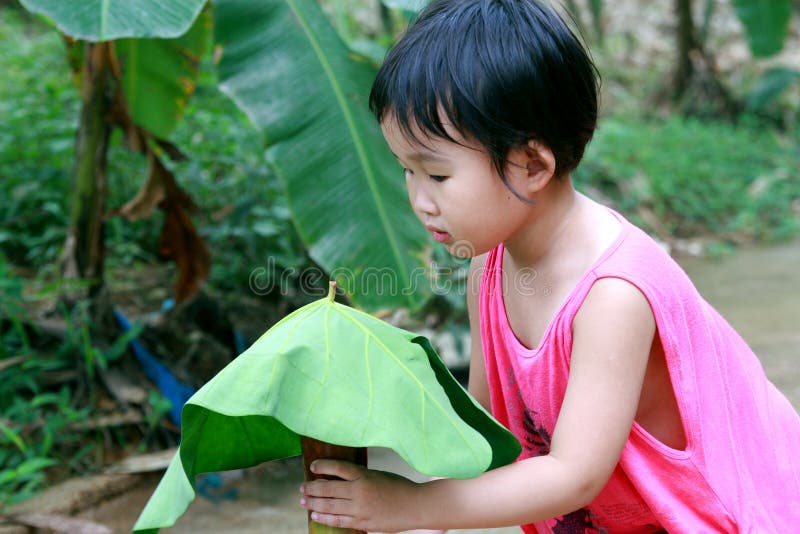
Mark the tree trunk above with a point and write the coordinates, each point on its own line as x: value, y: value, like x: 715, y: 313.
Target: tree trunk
x: 84, y: 249
x: 313, y: 450
x: 697, y: 88
x: 686, y: 44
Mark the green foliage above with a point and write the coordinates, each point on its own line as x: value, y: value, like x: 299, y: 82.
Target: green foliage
x: 244, y: 214
x: 698, y: 177
x: 39, y: 108
x: 770, y: 86
x: 36, y: 432
x: 102, y: 20
x: 287, y: 69
x: 159, y: 407
x: 79, y: 339
x: 156, y: 101
x: 47, y: 393
x: 245, y: 231
x: 14, y: 335
x: 34, y: 421
x: 766, y: 23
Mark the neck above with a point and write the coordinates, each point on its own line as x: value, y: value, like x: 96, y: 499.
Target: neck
x: 554, y: 212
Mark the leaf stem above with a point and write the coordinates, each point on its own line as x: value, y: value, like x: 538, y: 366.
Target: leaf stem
x: 332, y: 290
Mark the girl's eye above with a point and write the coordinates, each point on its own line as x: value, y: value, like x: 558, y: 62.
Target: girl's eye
x: 407, y: 171
x: 438, y: 178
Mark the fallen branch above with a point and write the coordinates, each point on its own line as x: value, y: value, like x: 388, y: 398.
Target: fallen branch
x: 58, y: 523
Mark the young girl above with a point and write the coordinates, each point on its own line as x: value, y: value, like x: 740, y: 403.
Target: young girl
x: 638, y: 407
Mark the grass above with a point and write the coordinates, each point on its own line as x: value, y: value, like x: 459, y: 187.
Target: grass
x: 734, y: 182
x: 39, y: 107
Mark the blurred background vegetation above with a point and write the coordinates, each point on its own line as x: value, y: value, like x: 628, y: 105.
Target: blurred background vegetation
x: 263, y: 169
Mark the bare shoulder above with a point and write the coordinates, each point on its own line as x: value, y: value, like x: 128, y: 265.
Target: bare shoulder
x: 614, y: 300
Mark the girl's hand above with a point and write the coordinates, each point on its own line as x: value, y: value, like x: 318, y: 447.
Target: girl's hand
x: 364, y: 499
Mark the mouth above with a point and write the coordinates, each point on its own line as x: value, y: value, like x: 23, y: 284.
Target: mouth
x: 439, y: 235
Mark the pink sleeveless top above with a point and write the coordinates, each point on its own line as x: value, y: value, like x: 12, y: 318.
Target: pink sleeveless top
x: 740, y: 471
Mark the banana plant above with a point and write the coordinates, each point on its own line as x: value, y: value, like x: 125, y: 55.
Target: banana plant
x: 766, y: 25
x: 285, y: 66
x: 332, y: 374
x: 136, y: 66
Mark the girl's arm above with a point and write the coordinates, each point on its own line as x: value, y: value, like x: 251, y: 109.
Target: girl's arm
x: 612, y: 336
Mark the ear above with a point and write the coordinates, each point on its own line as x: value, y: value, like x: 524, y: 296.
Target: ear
x: 539, y: 163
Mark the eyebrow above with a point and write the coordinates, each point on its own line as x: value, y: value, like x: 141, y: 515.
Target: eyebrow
x: 424, y: 157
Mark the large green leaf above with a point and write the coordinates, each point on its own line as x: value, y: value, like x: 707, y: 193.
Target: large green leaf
x: 105, y: 20
x: 766, y: 23
x: 340, y: 376
x: 285, y: 66
x: 159, y: 75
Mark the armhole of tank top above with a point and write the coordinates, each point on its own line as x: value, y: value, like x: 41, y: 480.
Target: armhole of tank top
x: 670, y: 354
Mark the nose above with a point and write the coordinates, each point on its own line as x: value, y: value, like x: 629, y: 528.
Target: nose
x: 420, y: 198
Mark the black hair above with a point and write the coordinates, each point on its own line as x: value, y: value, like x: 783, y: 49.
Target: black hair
x: 502, y: 72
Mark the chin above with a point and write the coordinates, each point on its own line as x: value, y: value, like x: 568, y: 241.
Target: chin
x: 462, y: 249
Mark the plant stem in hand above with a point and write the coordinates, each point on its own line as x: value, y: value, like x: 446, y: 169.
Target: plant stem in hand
x: 315, y: 450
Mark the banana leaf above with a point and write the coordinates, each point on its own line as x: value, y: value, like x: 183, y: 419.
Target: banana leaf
x: 340, y: 376
x: 159, y: 75
x: 766, y: 23
x: 104, y: 20
x: 284, y: 65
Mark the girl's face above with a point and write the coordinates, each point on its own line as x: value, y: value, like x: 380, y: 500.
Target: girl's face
x: 456, y: 192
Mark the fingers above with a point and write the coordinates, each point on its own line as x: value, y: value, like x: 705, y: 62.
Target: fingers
x: 330, y: 501
x: 339, y: 521
x: 364, y: 500
x: 329, y: 511
x: 326, y: 506
x: 328, y: 489
x: 337, y: 468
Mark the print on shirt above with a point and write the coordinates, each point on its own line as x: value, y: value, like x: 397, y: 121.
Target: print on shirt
x: 537, y: 440
x: 537, y: 443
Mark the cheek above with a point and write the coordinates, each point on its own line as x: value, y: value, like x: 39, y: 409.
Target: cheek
x: 410, y: 190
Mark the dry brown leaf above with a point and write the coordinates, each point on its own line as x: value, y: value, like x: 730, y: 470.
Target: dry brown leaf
x: 181, y: 243
x: 151, y: 195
